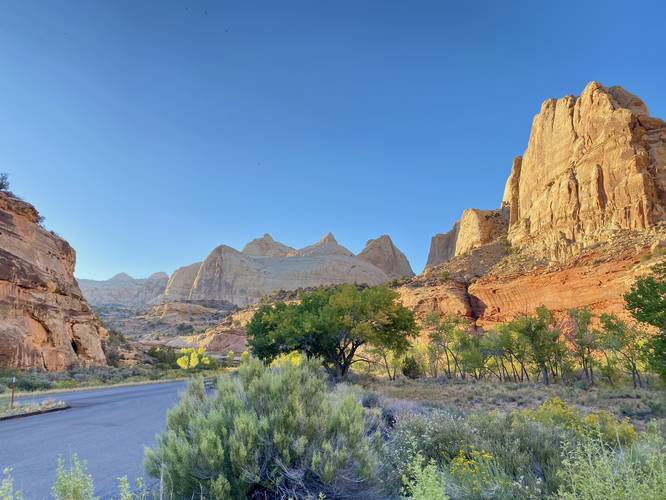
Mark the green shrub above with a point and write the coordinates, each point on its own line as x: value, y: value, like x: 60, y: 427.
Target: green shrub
x: 125, y: 492
x: 164, y: 356
x: 33, y: 381
x: 411, y: 368
x: 272, y: 429
x: 527, y: 452
x: 7, y: 487
x: 423, y: 481
x: 593, y: 470
x: 511, y: 457
x: 74, y: 483
x: 554, y: 412
x: 476, y: 474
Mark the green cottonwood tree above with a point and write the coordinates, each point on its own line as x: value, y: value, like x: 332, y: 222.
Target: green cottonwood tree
x: 646, y: 301
x: 542, y: 336
x: 332, y: 324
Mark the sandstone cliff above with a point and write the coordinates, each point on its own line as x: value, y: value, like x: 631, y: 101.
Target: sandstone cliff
x: 593, y: 163
x: 385, y: 255
x: 181, y: 282
x: 581, y: 210
x: 474, y: 229
x: 45, y: 322
x: 443, y: 247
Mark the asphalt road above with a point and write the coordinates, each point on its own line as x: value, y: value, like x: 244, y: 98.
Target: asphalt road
x: 107, y: 427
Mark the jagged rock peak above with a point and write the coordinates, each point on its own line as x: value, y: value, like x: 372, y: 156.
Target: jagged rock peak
x: 266, y: 246
x: 382, y: 253
x: 328, y: 238
x: 325, y: 246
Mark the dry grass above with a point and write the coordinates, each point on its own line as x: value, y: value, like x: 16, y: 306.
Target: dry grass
x: 639, y: 405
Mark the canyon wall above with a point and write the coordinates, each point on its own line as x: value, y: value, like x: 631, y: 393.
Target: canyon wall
x: 45, y: 322
x: 582, y: 212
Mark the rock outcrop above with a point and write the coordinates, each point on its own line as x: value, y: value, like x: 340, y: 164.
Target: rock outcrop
x: 385, y: 255
x: 266, y: 246
x: 443, y: 247
x: 327, y: 245
x: 181, y: 282
x: 583, y: 210
x: 45, y: 322
x: 474, y: 229
x: 593, y: 164
x: 123, y: 290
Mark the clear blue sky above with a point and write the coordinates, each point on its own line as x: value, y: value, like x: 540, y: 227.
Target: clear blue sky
x: 147, y: 133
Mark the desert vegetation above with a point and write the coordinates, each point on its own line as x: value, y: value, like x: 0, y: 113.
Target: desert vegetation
x: 282, y: 430
x: 162, y: 363
x: 345, y: 397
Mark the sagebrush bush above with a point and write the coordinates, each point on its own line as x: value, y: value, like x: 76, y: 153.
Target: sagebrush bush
x: 593, y: 470
x: 485, y: 455
x: 7, y: 491
x: 423, y: 481
x: 268, y: 429
x: 73, y: 483
x: 529, y: 452
x: 554, y: 412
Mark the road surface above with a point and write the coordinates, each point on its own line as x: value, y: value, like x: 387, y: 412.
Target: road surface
x: 107, y: 427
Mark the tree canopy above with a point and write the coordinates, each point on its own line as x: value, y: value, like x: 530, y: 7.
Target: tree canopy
x: 332, y: 324
x: 647, y: 303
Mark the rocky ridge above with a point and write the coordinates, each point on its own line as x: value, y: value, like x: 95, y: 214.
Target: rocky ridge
x: 196, y: 296
x: 123, y: 290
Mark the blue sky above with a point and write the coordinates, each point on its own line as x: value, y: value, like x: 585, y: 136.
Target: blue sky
x: 147, y: 133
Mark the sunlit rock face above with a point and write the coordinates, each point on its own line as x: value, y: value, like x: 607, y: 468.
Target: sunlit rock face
x: 583, y: 209
x: 385, y: 255
x: 593, y: 164
x: 45, y: 322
